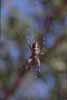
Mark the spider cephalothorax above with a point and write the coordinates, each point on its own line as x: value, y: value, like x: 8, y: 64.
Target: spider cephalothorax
x: 35, y: 49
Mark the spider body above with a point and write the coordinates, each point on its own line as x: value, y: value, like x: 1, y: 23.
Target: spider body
x: 35, y: 52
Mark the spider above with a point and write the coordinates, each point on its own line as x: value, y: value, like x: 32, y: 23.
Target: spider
x: 35, y: 53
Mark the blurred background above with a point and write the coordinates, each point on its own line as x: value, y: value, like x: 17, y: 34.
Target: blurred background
x: 23, y: 22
